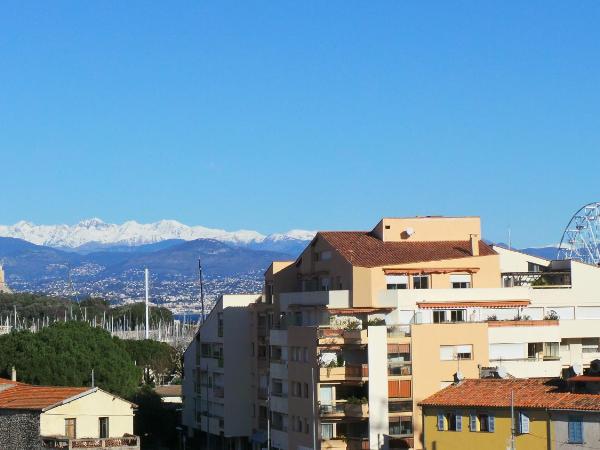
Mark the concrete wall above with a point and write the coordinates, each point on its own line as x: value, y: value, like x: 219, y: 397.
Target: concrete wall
x: 20, y: 430
x: 378, y: 388
x: 515, y: 261
x: 188, y: 414
x: 591, y: 430
x: 88, y: 410
x: 430, y: 373
x: 428, y: 229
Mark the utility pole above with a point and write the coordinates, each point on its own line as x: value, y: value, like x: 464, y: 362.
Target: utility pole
x: 147, y: 308
x: 201, y: 290
x: 512, y: 419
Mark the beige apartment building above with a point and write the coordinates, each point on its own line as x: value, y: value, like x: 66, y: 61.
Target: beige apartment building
x: 348, y: 338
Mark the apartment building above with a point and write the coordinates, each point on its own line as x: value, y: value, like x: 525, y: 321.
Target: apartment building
x: 348, y: 338
x: 496, y: 414
x: 217, y: 402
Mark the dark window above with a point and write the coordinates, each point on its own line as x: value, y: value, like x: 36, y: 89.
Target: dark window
x: 103, y: 421
x: 421, y: 282
x: 457, y: 315
x: 461, y: 285
x: 439, y: 316
x: 396, y: 286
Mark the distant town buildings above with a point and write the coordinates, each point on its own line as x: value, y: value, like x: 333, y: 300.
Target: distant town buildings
x: 346, y: 340
x: 32, y: 417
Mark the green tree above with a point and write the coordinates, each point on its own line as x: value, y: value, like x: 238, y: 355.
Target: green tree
x: 64, y: 354
x: 158, y: 359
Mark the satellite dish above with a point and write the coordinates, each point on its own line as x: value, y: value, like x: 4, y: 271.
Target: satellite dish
x: 410, y: 231
x: 577, y: 369
x: 501, y: 371
x: 595, y: 366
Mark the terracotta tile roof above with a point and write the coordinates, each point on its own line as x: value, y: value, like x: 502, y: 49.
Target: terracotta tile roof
x: 38, y: 398
x: 362, y: 249
x: 531, y: 393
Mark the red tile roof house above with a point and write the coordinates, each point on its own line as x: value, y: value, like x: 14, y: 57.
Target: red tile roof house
x: 572, y: 407
x: 34, y: 417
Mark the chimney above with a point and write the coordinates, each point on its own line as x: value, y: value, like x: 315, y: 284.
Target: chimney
x: 474, y: 244
x: 13, y: 374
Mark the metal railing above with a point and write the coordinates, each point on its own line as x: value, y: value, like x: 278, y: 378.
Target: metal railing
x: 125, y: 442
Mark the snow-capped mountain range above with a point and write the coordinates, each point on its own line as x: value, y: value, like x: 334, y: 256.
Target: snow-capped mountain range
x: 131, y: 233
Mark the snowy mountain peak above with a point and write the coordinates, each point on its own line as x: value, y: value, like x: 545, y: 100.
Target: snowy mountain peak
x: 132, y: 233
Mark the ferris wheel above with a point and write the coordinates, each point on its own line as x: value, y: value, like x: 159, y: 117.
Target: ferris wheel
x: 581, y: 238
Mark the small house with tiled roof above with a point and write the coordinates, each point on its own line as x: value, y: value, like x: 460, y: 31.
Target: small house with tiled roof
x: 34, y: 417
x: 537, y: 413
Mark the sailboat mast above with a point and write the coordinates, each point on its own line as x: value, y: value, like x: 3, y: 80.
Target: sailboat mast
x: 147, y: 307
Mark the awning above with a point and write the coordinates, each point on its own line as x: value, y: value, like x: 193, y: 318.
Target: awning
x: 429, y: 270
x: 474, y: 304
x: 260, y: 437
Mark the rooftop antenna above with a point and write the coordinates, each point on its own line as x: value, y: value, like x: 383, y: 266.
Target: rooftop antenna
x: 201, y: 290
x: 146, y: 273
x: 509, y: 238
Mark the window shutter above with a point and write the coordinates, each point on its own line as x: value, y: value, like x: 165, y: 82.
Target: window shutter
x: 491, y: 424
x: 440, y: 422
x: 473, y: 422
x: 458, y: 419
x: 575, y: 430
x: 523, y: 423
x: 393, y: 388
x: 405, y: 389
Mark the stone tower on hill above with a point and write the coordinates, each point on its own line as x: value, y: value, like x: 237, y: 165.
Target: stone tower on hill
x: 3, y: 287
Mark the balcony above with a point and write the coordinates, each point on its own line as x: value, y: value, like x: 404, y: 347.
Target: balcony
x: 344, y: 409
x: 398, y: 331
x: 538, y: 280
x: 331, y: 299
x: 400, y: 369
x: 117, y: 443
x: 336, y: 336
x: 344, y: 443
x: 349, y: 372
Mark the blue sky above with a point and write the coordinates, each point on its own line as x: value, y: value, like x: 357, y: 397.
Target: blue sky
x: 317, y: 115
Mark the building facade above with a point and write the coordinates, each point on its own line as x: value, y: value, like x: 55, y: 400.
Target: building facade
x: 32, y: 417
x: 349, y: 337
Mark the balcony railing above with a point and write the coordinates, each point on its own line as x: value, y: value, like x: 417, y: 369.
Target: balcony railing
x: 398, y: 331
x: 345, y: 409
x: 345, y: 443
x: 349, y: 371
x: 121, y: 443
x: 400, y: 369
x: 537, y: 280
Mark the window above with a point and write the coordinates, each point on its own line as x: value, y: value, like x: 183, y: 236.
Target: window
x: 325, y: 284
x: 454, y: 352
x: 457, y: 315
x: 103, y: 422
x: 205, y: 350
x: 305, y: 354
x: 460, y: 281
x: 486, y: 423
x: 394, y: 282
x: 439, y: 316
x: 473, y: 422
x: 400, y: 427
x: 71, y: 428
x: 421, y: 282
x: 533, y: 349
x: 326, y: 255
x: 453, y: 422
x: 305, y: 390
x: 575, y: 430
x: 220, y: 324
x: 551, y: 350
x: 523, y: 423
x: 306, y: 428
x: 326, y: 431
x: 533, y: 267
x: 590, y: 345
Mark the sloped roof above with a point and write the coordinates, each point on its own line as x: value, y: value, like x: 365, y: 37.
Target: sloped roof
x: 362, y: 249
x: 17, y: 395
x: 533, y: 393
x: 169, y: 390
